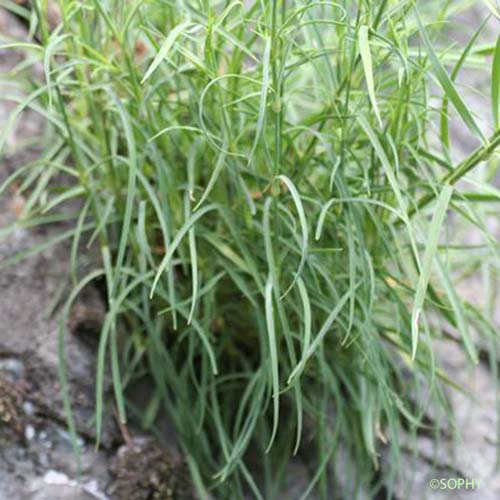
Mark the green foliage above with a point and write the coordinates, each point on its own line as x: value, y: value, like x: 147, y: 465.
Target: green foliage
x: 271, y: 216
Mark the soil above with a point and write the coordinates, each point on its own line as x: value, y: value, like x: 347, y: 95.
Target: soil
x: 144, y: 472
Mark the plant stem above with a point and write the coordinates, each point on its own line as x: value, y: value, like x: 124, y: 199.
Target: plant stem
x: 481, y: 154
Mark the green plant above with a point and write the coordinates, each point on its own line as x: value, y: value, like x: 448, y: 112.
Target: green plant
x: 271, y: 217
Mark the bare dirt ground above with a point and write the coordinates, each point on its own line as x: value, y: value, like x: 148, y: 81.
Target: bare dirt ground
x: 36, y: 456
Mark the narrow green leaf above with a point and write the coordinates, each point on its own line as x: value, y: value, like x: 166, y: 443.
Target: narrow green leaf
x: 116, y: 377
x: 492, y: 7
x: 193, y: 258
x: 175, y: 243
x: 263, y: 98
x: 306, y: 305
x: 366, y: 58
x: 384, y: 160
x: 48, y: 52
x: 62, y: 371
x: 447, y: 84
x: 458, y: 310
x: 429, y: 254
x: 273, y: 352
x: 106, y: 331
x: 165, y: 48
x: 221, y: 161
x: 73, y: 192
x: 131, y: 187
x: 325, y: 328
x: 444, y: 126
x: 303, y: 225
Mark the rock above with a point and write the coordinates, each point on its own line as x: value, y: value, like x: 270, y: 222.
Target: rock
x: 92, y: 488
x: 57, y: 492
x: 13, y: 368
x: 29, y: 432
x: 55, y: 478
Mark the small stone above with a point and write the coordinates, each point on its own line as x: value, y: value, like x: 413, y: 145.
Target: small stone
x: 13, y: 367
x: 28, y: 408
x: 92, y: 488
x: 29, y: 432
x: 55, y: 478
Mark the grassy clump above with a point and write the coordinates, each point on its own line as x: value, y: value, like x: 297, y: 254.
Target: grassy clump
x: 271, y: 219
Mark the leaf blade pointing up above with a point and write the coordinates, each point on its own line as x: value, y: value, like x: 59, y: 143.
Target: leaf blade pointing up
x: 429, y: 254
x: 366, y: 59
x: 447, y: 84
x: 165, y: 49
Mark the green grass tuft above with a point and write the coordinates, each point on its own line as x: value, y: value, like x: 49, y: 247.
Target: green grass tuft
x: 274, y: 217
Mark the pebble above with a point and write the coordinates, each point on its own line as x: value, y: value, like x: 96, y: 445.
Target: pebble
x: 29, y: 432
x: 13, y: 367
x: 28, y: 408
x: 56, y: 478
x: 92, y: 488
